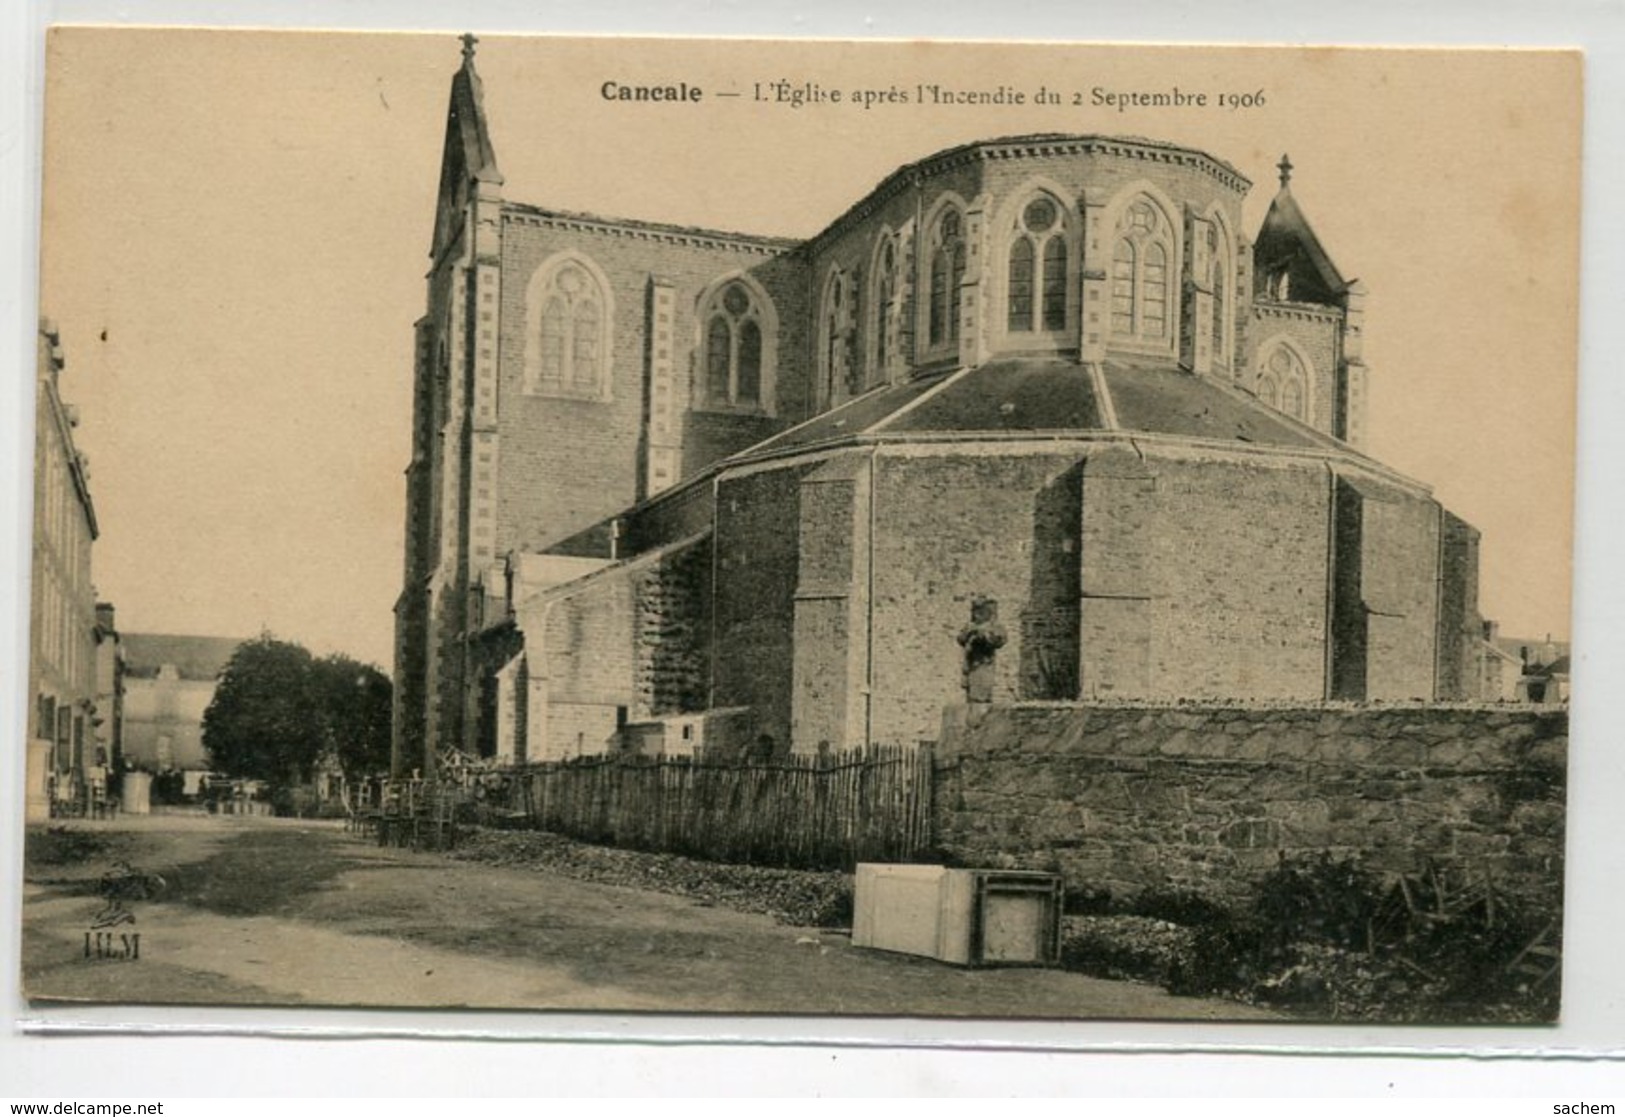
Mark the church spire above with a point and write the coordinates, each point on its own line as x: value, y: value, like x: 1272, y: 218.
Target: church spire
x: 468, y: 163
x: 1285, y: 167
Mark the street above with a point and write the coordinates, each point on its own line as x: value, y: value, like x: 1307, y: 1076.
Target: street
x: 280, y: 911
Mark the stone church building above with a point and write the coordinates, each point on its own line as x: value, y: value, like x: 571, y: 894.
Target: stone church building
x: 674, y: 487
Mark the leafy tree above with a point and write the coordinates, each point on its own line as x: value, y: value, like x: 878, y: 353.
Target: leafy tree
x: 357, y: 699
x: 264, y: 722
x: 277, y: 710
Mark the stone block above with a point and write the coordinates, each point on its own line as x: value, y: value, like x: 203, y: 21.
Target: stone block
x: 1179, y: 743
x: 1214, y: 746
x: 1549, y: 754
x: 1287, y: 745
x: 1538, y: 820
x: 1448, y: 753
x: 1397, y: 751
x: 1254, y: 746
x: 1139, y: 745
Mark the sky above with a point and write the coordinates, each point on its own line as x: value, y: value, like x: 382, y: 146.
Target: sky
x: 236, y: 226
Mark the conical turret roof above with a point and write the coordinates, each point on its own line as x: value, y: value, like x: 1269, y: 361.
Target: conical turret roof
x: 1289, y: 262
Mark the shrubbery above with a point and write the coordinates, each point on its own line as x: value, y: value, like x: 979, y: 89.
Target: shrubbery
x: 1331, y: 938
x: 1136, y: 947
x: 68, y: 845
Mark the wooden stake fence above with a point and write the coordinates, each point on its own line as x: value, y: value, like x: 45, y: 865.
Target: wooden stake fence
x: 813, y: 812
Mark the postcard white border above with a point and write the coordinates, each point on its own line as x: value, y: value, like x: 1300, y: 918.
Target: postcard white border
x: 220, y: 1044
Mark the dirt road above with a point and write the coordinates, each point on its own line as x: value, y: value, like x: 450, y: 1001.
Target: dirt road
x: 265, y: 911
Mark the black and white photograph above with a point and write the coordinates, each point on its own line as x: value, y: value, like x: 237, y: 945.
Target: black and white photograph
x: 995, y: 531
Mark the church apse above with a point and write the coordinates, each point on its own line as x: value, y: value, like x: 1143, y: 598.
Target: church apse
x: 1051, y: 370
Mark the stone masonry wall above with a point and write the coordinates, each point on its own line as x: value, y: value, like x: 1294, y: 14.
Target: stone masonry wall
x: 1315, y: 331
x: 1208, y: 798
x: 954, y: 525
x: 629, y: 641
x: 1219, y: 635
x: 671, y: 659
x: 757, y: 555
x: 1005, y: 185
x: 565, y: 463
x: 1163, y: 613
x: 587, y: 644
x: 682, y: 512
x: 1461, y: 628
x: 1399, y: 587
x: 583, y: 665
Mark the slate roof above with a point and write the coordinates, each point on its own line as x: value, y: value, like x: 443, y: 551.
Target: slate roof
x: 1014, y: 394
x: 193, y: 657
x: 1049, y: 394
x: 1541, y: 650
x: 771, y: 243
x: 855, y: 416
x: 1287, y: 240
x: 1159, y: 399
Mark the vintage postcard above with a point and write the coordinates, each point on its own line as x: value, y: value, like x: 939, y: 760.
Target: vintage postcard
x: 880, y: 529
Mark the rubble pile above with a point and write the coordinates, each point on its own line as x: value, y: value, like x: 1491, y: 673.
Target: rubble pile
x: 797, y: 897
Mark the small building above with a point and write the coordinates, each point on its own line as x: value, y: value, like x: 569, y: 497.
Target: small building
x: 1545, y: 682
x: 169, y: 683
x: 1499, y: 674
x: 1542, y: 672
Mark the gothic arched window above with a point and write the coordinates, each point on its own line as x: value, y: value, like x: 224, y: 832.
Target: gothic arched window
x: 1292, y: 397
x: 1283, y: 381
x: 884, y: 288
x: 568, y: 331
x: 1142, y: 273
x: 839, y: 374
x: 735, y: 361
x: 1036, y: 292
x: 946, y: 273
x: 1269, y: 390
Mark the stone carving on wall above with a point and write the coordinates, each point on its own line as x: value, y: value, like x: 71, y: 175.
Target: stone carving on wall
x: 981, y: 639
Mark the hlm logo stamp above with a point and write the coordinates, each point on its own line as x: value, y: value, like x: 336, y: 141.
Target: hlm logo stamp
x: 112, y: 932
